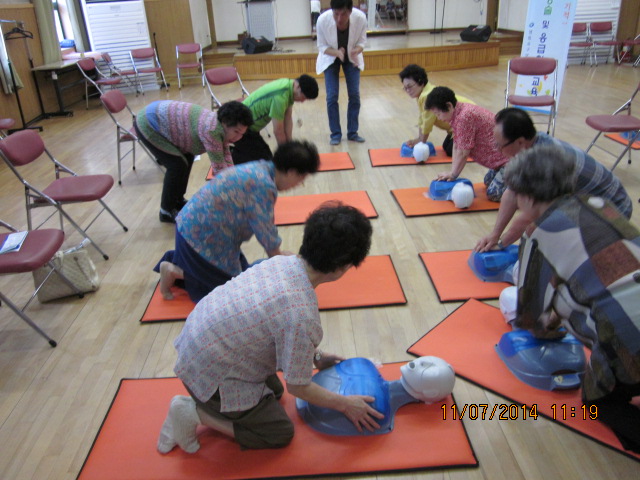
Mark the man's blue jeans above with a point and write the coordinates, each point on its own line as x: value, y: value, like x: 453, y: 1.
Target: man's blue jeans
x: 331, y: 80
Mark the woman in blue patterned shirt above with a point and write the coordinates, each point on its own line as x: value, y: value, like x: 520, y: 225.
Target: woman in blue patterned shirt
x: 232, y: 207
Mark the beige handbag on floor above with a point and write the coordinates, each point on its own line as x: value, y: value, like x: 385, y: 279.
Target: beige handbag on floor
x: 77, y: 266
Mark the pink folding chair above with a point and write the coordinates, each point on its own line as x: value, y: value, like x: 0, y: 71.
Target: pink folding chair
x: 193, y: 61
x: 145, y: 61
x: 37, y: 250
x: 617, y: 123
x: 25, y: 146
x: 128, y: 76
x: 223, y: 76
x: 115, y: 102
x: 602, y: 36
x: 94, y: 77
x: 580, y: 30
x: 543, y: 73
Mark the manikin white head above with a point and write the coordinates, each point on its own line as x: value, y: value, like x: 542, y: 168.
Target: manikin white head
x: 462, y: 195
x: 428, y: 379
x: 421, y: 151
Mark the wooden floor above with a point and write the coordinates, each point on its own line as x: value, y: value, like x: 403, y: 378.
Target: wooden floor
x: 53, y: 400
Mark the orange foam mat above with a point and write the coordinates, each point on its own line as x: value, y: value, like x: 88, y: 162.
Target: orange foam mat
x: 616, y: 137
x: 415, y: 203
x: 387, y: 157
x: 466, y: 339
x: 295, y: 209
x: 374, y: 283
x: 125, y: 446
x: 329, y: 162
x: 161, y: 310
x: 454, y: 280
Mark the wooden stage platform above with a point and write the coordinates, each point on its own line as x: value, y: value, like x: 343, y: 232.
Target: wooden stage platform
x: 385, y: 54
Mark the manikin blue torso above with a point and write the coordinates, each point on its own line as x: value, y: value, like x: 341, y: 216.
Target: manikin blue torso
x: 355, y: 376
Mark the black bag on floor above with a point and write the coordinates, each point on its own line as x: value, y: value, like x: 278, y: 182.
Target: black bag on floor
x: 476, y: 33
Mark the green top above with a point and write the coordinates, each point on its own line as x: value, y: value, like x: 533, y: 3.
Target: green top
x: 270, y: 101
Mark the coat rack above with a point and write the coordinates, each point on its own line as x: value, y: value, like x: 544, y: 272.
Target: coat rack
x: 16, y: 33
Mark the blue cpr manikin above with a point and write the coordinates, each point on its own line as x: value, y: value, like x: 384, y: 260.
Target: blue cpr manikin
x: 429, y: 378
x: 441, y: 190
x: 544, y: 364
x: 494, y: 265
x: 407, y: 152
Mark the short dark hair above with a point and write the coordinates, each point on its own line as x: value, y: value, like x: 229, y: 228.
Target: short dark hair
x: 234, y: 113
x: 439, y: 97
x: 308, y: 86
x: 515, y: 123
x: 335, y: 235
x: 297, y: 155
x: 415, y: 73
x: 340, y: 4
x: 544, y: 172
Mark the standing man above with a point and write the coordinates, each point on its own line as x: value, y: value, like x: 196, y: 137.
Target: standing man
x: 273, y: 102
x: 514, y: 132
x: 472, y: 127
x: 342, y: 34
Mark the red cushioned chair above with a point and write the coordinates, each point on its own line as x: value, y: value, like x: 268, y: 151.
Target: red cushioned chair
x: 544, y: 80
x: 127, y: 76
x: 189, y: 57
x: 37, y: 250
x: 115, y: 102
x: 618, y: 122
x: 25, y: 146
x: 602, y: 36
x: 223, y: 76
x: 582, y: 40
x: 93, y: 76
x: 145, y: 61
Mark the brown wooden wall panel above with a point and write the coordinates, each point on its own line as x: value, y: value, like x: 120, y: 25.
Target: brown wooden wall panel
x: 19, y: 58
x: 171, y: 21
x: 269, y: 66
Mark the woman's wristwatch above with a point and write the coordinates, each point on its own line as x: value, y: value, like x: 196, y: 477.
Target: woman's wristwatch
x: 317, y: 356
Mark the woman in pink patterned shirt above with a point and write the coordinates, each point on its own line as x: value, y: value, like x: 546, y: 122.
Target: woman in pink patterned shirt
x: 263, y: 321
x: 472, y: 127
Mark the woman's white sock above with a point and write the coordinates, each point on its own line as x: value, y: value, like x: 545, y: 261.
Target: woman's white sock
x: 184, y: 420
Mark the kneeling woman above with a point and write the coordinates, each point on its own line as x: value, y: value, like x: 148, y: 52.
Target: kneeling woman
x: 580, y: 268
x: 232, y: 207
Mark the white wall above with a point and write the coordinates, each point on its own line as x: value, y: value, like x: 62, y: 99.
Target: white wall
x: 228, y: 18
x: 293, y: 19
x: 457, y: 13
x: 512, y: 14
x: 200, y: 22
